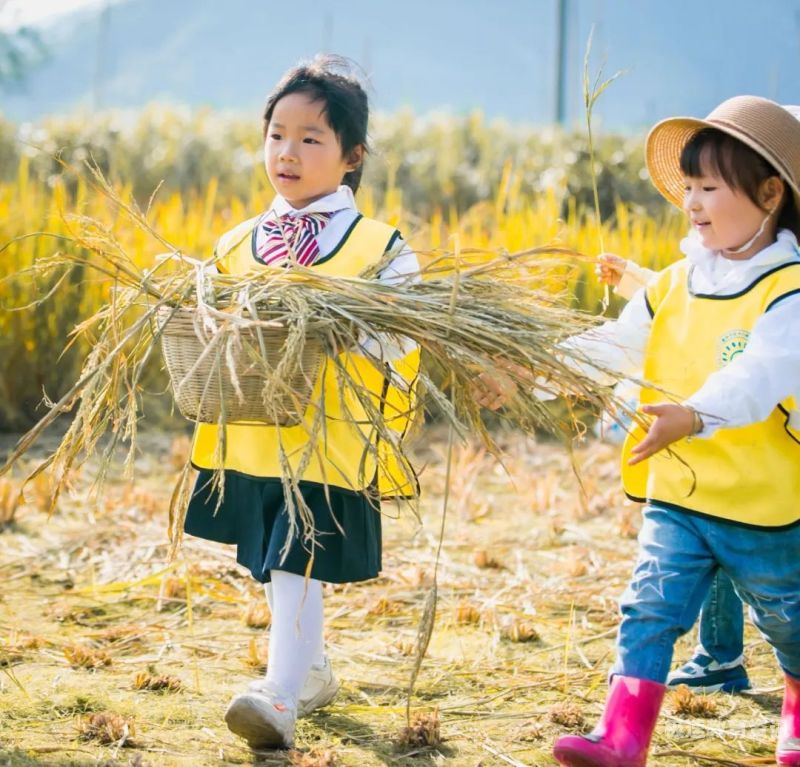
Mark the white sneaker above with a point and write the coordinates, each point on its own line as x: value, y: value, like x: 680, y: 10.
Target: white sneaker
x: 319, y: 690
x: 263, y: 716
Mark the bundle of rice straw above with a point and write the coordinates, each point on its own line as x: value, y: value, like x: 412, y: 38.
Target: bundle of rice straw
x: 471, y: 313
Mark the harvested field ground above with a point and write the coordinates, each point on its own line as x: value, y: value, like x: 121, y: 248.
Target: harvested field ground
x: 91, y: 609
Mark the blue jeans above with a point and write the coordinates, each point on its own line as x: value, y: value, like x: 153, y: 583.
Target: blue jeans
x: 721, y: 631
x: 679, y: 555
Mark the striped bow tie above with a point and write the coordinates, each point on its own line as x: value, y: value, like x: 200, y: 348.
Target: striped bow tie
x: 290, y: 239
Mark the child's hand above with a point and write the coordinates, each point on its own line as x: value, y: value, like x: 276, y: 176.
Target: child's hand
x: 672, y: 422
x: 493, y: 390
x: 609, y: 268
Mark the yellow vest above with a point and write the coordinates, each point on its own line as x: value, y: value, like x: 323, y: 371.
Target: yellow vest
x: 750, y: 474
x: 343, y: 457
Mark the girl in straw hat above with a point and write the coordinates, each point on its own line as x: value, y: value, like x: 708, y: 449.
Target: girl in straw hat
x: 315, y: 135
x: 718, y: 661
x: 717, y: 336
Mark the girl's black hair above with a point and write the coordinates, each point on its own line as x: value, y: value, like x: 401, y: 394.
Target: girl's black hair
x: 328, y: 79
x: 740, y: 167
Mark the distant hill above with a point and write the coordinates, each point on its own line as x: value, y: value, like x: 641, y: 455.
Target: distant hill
x: 682, y: 56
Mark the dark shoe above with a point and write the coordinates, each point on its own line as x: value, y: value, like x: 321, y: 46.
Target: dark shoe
x: 703, y: 674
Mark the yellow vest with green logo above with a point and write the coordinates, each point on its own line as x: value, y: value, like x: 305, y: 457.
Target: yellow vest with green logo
x: 344, y: 456
x: 750, y: 474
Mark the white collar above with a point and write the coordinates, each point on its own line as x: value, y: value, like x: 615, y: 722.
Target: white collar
x: 783, y: 249
x: 341, y: 199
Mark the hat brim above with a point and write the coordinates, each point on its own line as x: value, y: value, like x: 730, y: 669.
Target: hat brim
x: 665, y: 144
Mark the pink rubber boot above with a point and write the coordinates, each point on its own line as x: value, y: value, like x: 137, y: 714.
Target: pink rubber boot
x: 789, y: 734
x: 622, y: 736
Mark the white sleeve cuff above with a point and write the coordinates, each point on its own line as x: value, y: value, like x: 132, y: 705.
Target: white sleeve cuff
x: 634, y: 278
x: 710, y: 422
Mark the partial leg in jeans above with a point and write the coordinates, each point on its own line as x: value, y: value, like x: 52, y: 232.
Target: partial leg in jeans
x: 764, y: 566
x: 661, y: 602
x: 722, y: 621
x: 718, y: 663
x: 663, y: 599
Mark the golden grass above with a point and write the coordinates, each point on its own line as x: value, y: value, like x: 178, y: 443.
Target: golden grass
x: 474, y: 312
x: 513, y: 220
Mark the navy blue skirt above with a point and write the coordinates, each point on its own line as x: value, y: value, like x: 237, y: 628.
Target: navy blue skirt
x: 346, y: 546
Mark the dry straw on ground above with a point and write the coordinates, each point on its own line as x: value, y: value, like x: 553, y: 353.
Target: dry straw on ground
x: 491, y: 693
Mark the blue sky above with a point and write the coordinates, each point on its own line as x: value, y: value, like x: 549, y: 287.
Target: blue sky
x: 679, y: 56
x: 15, y: 13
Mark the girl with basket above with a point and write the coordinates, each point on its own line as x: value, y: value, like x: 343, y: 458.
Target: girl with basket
x: 315, y: 134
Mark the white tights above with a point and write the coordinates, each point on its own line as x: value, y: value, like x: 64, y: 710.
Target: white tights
x: 295, y: 636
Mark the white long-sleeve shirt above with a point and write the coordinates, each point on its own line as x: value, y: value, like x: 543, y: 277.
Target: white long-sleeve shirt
x: 633, y: 279
x: 747, y: 389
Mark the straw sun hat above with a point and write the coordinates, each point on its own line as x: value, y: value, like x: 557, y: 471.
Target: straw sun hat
x: 768, y: 128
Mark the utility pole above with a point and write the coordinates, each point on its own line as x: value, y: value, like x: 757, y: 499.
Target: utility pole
x: 561, y: 61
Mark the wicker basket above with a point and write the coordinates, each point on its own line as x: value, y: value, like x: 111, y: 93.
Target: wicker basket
x: 201, y: 390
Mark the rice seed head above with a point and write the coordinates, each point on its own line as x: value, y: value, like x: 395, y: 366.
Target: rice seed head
x: 107, y: 728
x: 686, y: 703
x: 384, y: 606
x: 467, y: 615
x: 568, y: 715
x: 9, y: 501
x: 423, y: 732
x: 521, y: 631
x: 316, y: 757
x: 80, y: 656
x: 258, y: 615
x: 257, y: 655
x: 157, y: 683
x: 485, y: 561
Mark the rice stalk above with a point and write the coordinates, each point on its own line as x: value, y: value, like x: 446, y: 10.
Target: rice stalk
x: 473, y: 312
x: 591, y: 93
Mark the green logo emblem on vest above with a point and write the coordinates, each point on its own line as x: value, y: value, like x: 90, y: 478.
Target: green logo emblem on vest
x: 731, y: 345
